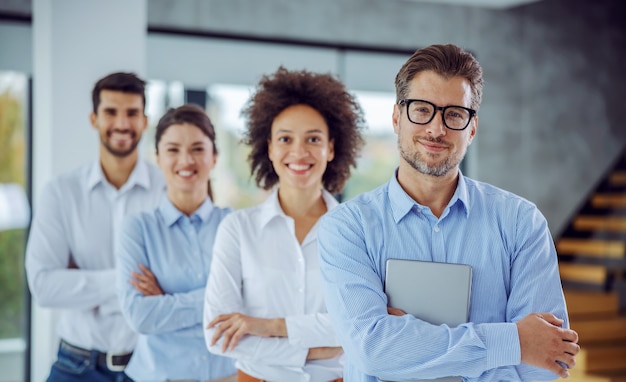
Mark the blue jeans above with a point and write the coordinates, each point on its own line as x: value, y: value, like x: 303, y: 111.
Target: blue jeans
x: 70, y: 367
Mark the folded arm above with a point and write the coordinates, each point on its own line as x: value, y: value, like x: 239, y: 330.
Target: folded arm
x: 536, y: 302
x: 401, y: 347
x: 261, y: 339
x: 53, y: 277
x: 151, y: 312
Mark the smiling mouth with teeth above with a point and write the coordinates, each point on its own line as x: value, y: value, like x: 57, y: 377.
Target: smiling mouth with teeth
x: 185, y: 173
x: 299, y: 167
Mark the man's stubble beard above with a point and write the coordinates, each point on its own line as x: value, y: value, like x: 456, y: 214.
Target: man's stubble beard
x: 415, y: 159
x: 120, y: 153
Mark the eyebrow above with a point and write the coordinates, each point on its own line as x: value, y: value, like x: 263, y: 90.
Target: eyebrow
x: 128, y: 110
x: 197, y: 143
x: 306, y: 132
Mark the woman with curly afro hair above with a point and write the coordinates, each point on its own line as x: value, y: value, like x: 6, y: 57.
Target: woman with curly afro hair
x: 264, y: 304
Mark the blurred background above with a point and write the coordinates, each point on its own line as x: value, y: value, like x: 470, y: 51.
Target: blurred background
x: 551, y: 125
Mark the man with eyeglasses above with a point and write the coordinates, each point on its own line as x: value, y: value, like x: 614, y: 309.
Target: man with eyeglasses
x: 518, y: 324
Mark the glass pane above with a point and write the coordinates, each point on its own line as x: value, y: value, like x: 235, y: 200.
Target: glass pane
x: 14, y: 220
x: 379, y: 157
x: 232, y: 183
x: 230, y: 180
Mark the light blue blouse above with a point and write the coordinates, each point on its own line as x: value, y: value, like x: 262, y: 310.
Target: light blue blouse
x: 178, y: 250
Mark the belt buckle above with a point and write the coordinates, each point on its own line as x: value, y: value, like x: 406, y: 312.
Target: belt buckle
x: 110, y: 364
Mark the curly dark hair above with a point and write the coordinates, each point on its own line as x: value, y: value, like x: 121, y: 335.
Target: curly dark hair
x: 322, y: 92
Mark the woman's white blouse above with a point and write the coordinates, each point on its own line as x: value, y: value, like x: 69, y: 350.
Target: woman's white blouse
x: 260, y: 269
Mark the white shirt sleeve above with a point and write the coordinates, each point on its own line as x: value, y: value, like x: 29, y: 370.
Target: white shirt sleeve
x: 224, y: 295
x: 311, y: 330
x: 48, y: 255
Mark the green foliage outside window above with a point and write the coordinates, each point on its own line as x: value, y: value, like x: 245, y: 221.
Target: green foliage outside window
x: 13, y: 241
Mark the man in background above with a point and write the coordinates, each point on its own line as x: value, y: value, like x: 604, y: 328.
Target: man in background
x: 69, y: 256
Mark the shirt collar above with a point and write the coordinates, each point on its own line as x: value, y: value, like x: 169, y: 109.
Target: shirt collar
x: 139, y: 176
x: 95, y: 176
x: 171, y: 214
x: 271, y: 206
x: 461, y: 194
x: 401, y: 203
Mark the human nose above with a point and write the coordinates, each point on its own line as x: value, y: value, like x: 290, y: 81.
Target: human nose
x: 437, y: 126
x: 122, y: 122
x: 299, y: 148
x: 186, y: 157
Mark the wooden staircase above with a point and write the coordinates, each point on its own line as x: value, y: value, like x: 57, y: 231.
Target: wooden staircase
x: 592, y: 262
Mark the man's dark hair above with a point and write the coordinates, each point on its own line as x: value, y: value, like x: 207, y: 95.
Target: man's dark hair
x: 121, y: 82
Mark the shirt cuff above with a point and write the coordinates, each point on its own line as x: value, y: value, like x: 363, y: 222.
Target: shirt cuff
x: 295, y: 332
x: 104, y: 284
x: 502, y: 343
x: 196, y: 298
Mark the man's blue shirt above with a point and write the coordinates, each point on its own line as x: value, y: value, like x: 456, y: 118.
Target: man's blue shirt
x: 503, y: 237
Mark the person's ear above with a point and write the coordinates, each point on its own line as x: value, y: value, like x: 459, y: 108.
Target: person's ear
x: 145, y: 123
x: 92, y: 119
x: 473, y: 128
x: 395, y: 118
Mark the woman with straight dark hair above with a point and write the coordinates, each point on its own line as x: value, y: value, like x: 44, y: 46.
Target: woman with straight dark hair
x: 164, y: 257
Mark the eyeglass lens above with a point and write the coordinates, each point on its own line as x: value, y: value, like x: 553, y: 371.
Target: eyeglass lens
x: 423, y: 112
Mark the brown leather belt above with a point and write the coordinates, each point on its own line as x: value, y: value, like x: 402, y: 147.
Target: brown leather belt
x: 113, y: 362
x: 243, y: 377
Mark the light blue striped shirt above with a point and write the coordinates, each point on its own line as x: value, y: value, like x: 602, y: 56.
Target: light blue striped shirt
x: 178, y: 250
x: 502, y: 236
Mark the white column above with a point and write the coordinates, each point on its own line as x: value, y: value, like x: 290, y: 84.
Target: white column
x: 75, y: 43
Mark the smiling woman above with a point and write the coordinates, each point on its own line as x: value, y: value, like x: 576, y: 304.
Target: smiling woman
x: 264, y: 305
x: 186, y: 153
x: 164, y: 257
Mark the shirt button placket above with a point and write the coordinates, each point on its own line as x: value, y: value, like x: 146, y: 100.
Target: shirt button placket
x: 438, y: 247
x: 302, y: 297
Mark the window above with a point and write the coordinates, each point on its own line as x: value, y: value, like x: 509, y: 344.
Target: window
x: 14, y: 221
x: 232, y: 183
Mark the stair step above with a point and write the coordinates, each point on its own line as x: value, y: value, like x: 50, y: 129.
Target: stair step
x: 580, y: 303
x: 602, y: 358
x: 583, y: 273
x: 609, y: 200
x: 581, y: 376
x: 592, y: 247
x: 600, y: 223
x: 606, y: 330
x: 618, y: 178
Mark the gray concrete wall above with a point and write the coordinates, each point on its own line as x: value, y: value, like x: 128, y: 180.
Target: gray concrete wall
x: 550, y: 120
x: 549, y: 125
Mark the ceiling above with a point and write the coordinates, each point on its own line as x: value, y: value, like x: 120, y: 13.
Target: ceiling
x: 498, y: 4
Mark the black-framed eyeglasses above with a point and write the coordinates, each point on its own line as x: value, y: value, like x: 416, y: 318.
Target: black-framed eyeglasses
x: 422, y: 112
